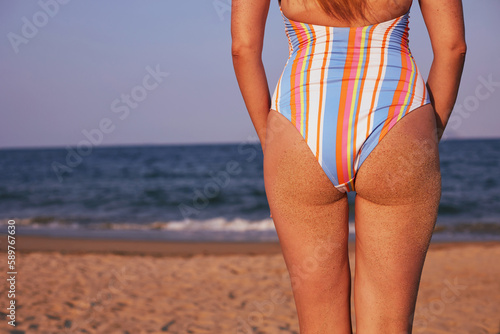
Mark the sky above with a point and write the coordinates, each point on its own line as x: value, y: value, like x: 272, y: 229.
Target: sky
x: 130, y: 72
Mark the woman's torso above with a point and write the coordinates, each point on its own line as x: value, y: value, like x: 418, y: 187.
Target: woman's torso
x: 308, y: 11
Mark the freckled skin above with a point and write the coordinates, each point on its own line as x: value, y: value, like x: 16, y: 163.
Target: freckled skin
x: 398, y: 190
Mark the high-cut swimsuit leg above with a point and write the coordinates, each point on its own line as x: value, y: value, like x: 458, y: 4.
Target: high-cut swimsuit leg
x: 344, y: 88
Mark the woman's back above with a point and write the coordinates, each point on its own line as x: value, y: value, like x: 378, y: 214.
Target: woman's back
x: 308, y: 11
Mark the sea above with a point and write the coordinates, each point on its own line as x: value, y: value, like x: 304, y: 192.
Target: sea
x: 209, y: 192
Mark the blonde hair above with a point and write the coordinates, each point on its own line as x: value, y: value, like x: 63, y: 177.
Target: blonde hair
x: 344, y: 9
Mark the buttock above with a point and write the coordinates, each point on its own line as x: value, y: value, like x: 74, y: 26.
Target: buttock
x: 343, y: 89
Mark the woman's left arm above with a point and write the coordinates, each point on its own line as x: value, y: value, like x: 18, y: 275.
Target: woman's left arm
x: 248, y: 20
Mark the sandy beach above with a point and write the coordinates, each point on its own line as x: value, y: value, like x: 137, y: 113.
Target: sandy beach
x: 103, y: 286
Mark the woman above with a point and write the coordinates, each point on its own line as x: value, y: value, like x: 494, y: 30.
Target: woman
x: 351, y: 112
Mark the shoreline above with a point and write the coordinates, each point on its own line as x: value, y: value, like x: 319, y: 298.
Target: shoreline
x: 29, y: 244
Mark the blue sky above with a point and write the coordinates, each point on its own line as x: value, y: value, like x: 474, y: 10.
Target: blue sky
x: 88, y: 67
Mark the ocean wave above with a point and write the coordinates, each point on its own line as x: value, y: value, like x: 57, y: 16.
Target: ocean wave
x: 189, y: 225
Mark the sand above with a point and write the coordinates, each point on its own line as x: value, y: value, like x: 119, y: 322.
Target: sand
x: 103, y: 286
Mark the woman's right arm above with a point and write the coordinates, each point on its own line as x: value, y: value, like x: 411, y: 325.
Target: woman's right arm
x: 445, y: 24
x: 248, y: 21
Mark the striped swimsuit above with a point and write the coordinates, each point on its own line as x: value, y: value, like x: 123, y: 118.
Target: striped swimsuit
x: 344, y: 88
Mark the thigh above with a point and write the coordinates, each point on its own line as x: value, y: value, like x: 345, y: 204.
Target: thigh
x: 311, y: 218
x: 301, y: 197
x: 398, y: 190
